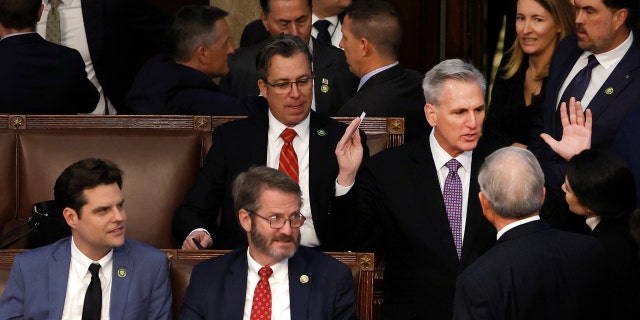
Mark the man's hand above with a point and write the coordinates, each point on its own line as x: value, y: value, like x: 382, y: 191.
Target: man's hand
x: 349, y: 153
x: 576, y: 131
x: 202, y: 237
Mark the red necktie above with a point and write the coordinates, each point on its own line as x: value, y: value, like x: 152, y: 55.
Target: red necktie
x: 288, y: 158
x: 261, y: 307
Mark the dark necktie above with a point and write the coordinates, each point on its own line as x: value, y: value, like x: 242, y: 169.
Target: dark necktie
x: 453, y: 203
x: 323, y: 31
x: 53, y: 23
x: 288, y: 158
x: 261, y: 307
x: 576, y: 88
x: 93, y: 298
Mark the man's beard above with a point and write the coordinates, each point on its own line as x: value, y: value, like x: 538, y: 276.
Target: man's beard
x: 263, y: 244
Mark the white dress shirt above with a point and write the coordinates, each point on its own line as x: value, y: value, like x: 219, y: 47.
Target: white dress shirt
x: 599, y: 74
x: 79, y: 279
x: 441, y: 157
x: 279, y: 284
x: 73, y: 35
x: 335, y: 29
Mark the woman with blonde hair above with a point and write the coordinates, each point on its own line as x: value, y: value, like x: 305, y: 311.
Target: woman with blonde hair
x: 519, y: 87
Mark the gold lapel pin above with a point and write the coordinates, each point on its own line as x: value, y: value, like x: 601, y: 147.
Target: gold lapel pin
x: 122, y: 272
x: 322, y: 133
x: 609, y: 90
x: 304, y: 278
x: 325, y: 85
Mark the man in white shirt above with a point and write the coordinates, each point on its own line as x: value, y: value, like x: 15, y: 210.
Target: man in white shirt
x: 333, y: 12
x: 55, y: 282
x: 273, y: 276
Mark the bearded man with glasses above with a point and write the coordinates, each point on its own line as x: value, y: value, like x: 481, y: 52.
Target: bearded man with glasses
x: 289, y: 136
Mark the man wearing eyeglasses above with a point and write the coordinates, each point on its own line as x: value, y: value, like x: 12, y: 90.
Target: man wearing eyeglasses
x: 273, y: 277
x: 289, y: 137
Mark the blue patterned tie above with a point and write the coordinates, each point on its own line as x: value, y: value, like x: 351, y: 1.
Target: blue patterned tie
x: 453, y: 202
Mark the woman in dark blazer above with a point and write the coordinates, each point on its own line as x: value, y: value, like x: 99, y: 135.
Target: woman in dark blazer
x: 518, y: 88
x: 600, y: 186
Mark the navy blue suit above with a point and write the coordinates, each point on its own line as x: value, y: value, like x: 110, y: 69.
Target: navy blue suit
x: 329, y: 65
x: 38, y: 283
x: 119, y: 33
x: 217, y: 288
x: 40, y: 77
x: 608, y: 107
x: 534, y: 272
x: 166, y: 87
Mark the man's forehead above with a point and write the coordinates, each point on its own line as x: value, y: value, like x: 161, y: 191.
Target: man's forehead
x: 278, y: 61
x: 288, y: 8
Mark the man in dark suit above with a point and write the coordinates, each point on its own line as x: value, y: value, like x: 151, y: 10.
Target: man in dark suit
x: 533, y: 271
x: 114, y: 38
x: 301, y: 283
x: 371, y: 38
x: 284, y: 68
x: 130, y: 278
x: 401, y: 193
x: 181, y: 82
x: 604, y: 31
x: 333, y: 84
x: 39, y: 76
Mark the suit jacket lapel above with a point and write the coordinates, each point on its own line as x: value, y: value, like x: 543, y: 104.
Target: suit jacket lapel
x: 93, y: 17
x: 475, y: 216
x: 121, y: 275
x: 320, y: 64
x: 299, y: 291
x: 58, y: 278
x: 258, y: 135
x: 235, y: 283
x: 318, y: 146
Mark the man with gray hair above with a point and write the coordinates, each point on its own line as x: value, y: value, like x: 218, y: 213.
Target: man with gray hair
x: 533, y: 271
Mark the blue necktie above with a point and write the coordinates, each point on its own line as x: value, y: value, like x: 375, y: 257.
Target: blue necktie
x: 323, y: 31
x: 576, y: 88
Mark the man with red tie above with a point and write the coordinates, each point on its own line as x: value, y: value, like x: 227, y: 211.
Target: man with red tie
x: 265, y: 138
x: 273, y: 278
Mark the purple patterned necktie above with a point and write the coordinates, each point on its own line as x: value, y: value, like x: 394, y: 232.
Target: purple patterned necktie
x: 453, y: 202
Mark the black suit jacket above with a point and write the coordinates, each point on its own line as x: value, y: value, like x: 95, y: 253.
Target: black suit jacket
x: 42, y: 77
x: 239, y: 145
x: 398, y: 191
x: 534, y: 272
x: 121, y: 35
x: 217, y: 288
x: 395, y: 92
x: 329, y: 65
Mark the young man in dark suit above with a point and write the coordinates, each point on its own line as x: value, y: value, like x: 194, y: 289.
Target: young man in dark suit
x: 371, y: 37
x: 300, y: 283
x: 284, y: 70
x: 38, y: 76
x: 333, y: 84
x: 533, y: 271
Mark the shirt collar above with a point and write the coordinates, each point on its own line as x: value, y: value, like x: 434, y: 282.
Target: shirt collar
x: 276, y: 127
x: 333, y: 19
x: 592, y: 222
x: 515, y: 224
x: 82, y: 262
x: 280, y: 269
x: 372, y: 73
x: 441, y: 157
x: 612, y: 57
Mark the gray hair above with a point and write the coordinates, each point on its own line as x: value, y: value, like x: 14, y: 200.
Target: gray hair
x: 249, y: 185
x: 452, y: 69
x: 513, y: 182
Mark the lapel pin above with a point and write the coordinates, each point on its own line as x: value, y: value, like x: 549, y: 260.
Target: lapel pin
x: 122, y: 272
x: 609, y: 90
x: 325, y: 85
x: 322, y: 133
x: 304, y: 278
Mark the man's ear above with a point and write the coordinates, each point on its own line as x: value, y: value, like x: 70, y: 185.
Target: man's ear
x: 71, y: 217
x: 620, y: 17
x: 262, y: 86
x: 430, y: 114
x: 245, y: 219
x: 264, y: 21
x: 486, y: 209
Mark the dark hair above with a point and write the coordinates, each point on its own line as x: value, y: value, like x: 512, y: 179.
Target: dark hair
x: 283, y: 45
x: 84, y: 174
x: 603, y: 183
x: 19, y: 14
x: 249, y: 185
x: 379, y: 23
x: 265, y: 5
x: 192, y: 26
x: 630, y: 5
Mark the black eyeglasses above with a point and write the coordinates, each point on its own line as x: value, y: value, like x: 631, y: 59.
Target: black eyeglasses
x: 285, y: 87
x: 277, y: 222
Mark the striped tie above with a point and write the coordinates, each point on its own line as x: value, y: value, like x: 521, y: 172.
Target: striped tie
x: 288, y: 158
